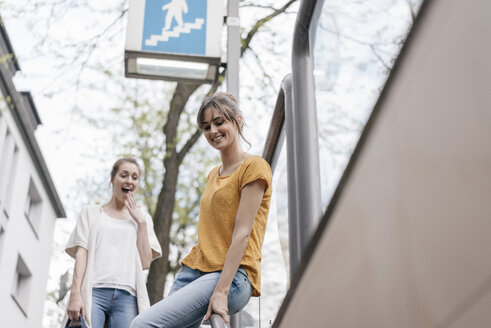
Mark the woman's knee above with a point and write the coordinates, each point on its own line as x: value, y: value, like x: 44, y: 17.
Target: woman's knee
x: 138, y: 322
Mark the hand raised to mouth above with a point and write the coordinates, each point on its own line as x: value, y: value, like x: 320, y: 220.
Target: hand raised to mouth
x: 135, y: 211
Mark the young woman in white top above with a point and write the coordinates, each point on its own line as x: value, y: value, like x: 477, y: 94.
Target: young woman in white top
x: 112, y: 244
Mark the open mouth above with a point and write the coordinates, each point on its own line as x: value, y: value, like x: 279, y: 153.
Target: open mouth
x: 125, y: 190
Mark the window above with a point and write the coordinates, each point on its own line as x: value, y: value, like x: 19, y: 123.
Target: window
x: 32, y: 208
x: 21, y: 285
x: 2, y: 237
x: 8, y: 165
x: 3, y: 133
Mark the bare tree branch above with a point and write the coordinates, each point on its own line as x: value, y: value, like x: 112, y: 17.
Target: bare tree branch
x: 188, y: 145
x: 379, y: 58
x: 263, y: 69
x: 94, y: 46
x: 247, y: 40
x: 411, y: 8
x: 251, y: 5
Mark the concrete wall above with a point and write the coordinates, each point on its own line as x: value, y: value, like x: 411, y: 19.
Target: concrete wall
x: 407, y: 240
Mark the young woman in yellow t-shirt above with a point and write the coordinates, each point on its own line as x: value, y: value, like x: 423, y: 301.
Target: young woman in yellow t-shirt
x: 222, y: 271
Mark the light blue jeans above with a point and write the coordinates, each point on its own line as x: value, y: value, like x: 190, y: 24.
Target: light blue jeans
x: 115, y: 307
x: 188, y: 300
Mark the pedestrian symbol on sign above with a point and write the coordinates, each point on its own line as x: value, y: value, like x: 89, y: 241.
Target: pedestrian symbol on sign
x: 175, y: 26
x: 175, y: 9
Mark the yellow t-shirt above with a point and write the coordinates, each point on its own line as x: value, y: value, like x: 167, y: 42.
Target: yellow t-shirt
x: 219, y: 205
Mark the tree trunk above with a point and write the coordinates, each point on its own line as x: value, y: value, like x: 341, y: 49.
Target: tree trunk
x: 165, y: 205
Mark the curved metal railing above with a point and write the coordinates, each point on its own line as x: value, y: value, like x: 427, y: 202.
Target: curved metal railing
x: 276, y: 132
x: 216, y: 321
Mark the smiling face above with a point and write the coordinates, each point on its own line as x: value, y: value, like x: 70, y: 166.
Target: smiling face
x: 219, y: 132
x: 223, y: 110
x: 125, y: 180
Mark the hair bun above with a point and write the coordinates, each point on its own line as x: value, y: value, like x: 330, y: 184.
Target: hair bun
x: 228, y: 95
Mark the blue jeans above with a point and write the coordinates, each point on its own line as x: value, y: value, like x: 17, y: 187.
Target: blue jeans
x: 115, y: 307
x: 188, y: 300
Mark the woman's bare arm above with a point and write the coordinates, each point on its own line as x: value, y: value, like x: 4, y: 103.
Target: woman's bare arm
x: 76, y: 306
x: 250, y: 200
x: 142, y: 242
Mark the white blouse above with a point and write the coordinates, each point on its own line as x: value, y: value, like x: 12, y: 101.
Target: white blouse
x: 115, y: 253
x: 85, y: 235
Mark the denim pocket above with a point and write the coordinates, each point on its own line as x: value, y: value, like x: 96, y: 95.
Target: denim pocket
x: 240, y: 292
x: 240, y: 278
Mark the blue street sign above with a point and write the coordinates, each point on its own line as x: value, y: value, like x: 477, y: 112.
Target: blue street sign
x: 175, y: 26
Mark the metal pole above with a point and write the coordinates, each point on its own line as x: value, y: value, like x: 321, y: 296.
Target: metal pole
x: 305, y: 188
x: 292, y: 172
x: 233, y: 55
x: 216, y: 321
x: 233, y: 47
x: 235, y: 320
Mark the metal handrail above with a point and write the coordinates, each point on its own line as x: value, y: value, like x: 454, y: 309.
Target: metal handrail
x: 216, y: 321
x: 304, y: 192
x: 297, y: 97
x: 303, y: 151
x: 275, y: 128
x: 276, y: 132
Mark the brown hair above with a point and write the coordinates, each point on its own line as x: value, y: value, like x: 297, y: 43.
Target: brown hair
x: 120, y: 161
x: 227, y: 105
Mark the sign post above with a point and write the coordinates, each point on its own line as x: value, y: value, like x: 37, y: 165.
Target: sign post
x: 232, y: 74
x: 233, y: 47
x: 176, y: 40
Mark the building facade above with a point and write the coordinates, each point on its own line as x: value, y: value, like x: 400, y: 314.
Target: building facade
x: 29, y: 203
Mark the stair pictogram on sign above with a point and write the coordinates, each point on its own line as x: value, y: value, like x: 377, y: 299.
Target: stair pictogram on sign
x: 175, y: 33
